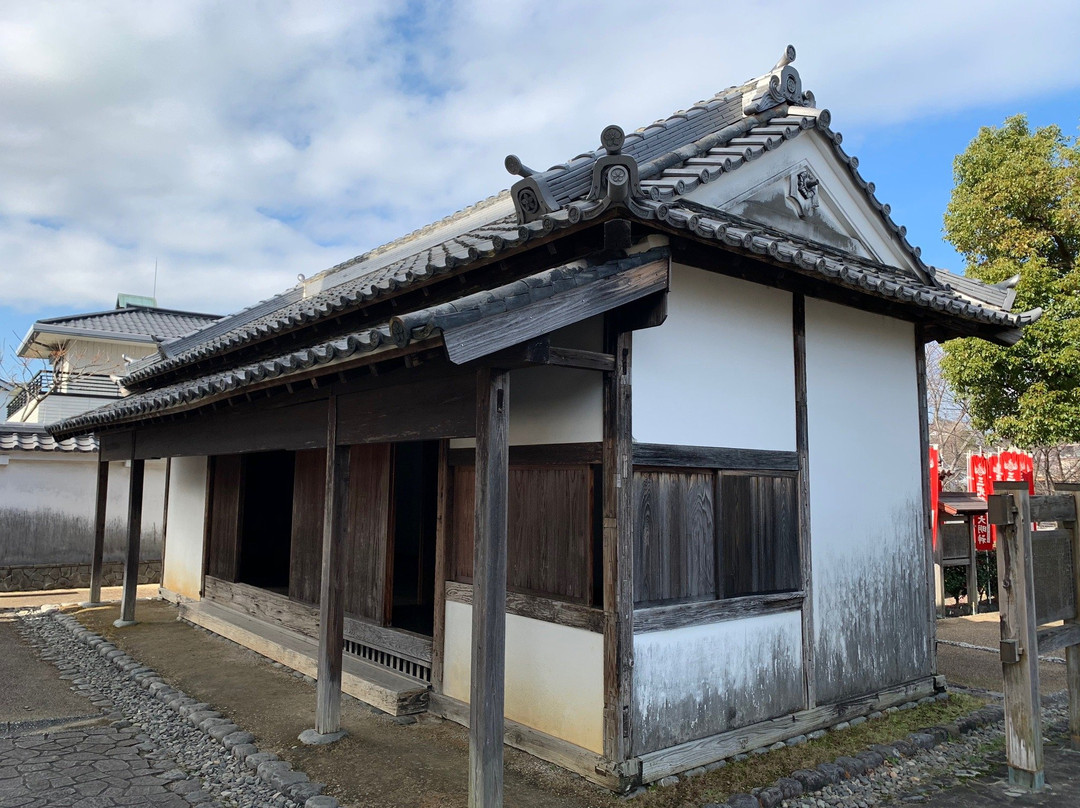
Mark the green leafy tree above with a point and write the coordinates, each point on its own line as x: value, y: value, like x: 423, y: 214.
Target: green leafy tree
x: 1015, y: 210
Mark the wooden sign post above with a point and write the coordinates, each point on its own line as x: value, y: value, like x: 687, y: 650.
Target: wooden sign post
x: 1072, y: 652
x: 1010, y: 510
x: 1038, y: 584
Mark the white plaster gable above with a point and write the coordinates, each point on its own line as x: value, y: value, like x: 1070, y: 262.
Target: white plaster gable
x: 835, y: 211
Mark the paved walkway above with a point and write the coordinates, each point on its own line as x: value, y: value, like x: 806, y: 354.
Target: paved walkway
x: 57, y: 749
x: 84, y: 768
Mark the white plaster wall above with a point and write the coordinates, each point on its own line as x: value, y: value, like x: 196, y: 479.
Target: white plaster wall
x: 720, y: 371
x: 47, y: 508
x: 557, y: 405
x: 697, y: 681
x: 871, y: 622
x: 186, y: 524
x: 554, y: 674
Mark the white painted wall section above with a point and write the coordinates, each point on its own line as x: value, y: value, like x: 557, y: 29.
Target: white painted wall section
x: 185, y: 530
x: 47, y: 502
x: 697, y: 681
x: 720, y: 371
x: 554, y: 675
x: 871, y: 618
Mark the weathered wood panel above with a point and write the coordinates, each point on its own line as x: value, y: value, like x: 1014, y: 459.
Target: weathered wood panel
x: 1051, y: 554
x: 550, y: 530
x: 674, y: 536
x: 309, y: 489
x: 243, y: 428
x: 263, y: 604
x: 368, y: 532
x: 425, y: 409
x: 226, y: 515
x: 1053, y: 508
x: 759, y: 534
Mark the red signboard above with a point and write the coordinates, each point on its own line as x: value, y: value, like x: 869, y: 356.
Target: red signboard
x: 979, y: 483
x: 935, y: 489
x: 983, y: 471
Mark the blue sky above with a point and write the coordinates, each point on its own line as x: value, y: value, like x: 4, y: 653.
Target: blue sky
x: 237, y: 145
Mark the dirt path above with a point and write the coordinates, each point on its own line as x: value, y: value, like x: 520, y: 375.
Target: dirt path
x: 32, y: 689
x: 380, y: 763
x: 982, y: 669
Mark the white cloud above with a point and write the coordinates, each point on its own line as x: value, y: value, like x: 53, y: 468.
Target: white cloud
x: 240, y: 144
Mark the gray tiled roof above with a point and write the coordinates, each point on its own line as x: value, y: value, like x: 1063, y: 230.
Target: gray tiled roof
x: 34, y: 438
x: 134, y: 321
x: 664, y: 161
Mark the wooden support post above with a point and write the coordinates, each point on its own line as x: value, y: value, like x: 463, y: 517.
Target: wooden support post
x: 489, y: 590
x: 973, y: 569
x: 618, y: 548
x: 1010, y: 510
x: 802, y: 445
x: 134, y: 537
x: 1072, y: 652
x: 442, y: 548
x: 100, y: 507
x: 332, y: 585
x: 926, y: 530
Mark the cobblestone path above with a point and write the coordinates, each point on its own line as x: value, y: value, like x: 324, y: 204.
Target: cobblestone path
x: 86, y: 767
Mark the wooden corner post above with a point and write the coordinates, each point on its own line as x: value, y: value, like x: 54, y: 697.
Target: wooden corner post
x: 802, y: 446
x: 1072, y: 652
x: 332, y: 582
x: 100, y: 508
x: 618, y: 548
x: 134, y: 538
x: 1010, y: 509
x: 489, y: 590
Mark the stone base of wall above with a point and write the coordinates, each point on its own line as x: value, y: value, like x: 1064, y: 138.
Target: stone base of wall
x: 71, y: 576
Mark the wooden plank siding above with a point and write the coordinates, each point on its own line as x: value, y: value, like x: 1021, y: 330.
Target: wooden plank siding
x: 706, y: 534
x: 305, y: 552
x: 369, y: 532
x: 226, y: 514
x: 550, y: 530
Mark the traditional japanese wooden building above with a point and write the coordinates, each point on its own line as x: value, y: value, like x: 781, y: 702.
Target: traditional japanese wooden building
x: 632, y: 453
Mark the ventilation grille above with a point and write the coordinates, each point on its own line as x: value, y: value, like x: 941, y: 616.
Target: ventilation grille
x: 399, y: 664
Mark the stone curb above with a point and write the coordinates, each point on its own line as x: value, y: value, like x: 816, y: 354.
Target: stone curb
x: 845, y: 767
x: 275, y: 772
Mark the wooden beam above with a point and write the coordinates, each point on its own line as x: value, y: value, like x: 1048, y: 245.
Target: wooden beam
x: 489, y: 590
x: 134, y: 537
x: 332, y: 585
x: 658, y: 454
x: 802, y: 451
x: 1054, y: 508
x: 535, y: 607
x: 100, y: 508
x: 618, y: 548
x: 1010, y: 510
x: 1072, y: 653
x: 1057, y: 637
x: 702, y: 612
x: 540, y: 454
x: 489, y: 334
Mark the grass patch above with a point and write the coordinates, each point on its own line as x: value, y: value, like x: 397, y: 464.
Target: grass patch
x: 758, y: 771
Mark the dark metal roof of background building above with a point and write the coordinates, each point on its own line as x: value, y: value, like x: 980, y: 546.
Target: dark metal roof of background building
x: 664, y: 161
x: 137, y: 323
x: 16, y: 437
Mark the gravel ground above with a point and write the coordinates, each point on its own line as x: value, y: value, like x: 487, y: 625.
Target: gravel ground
x: 133, y: 696
x: 229, y: 771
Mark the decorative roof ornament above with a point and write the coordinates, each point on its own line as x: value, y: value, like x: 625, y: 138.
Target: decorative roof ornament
x: 781, y: 85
